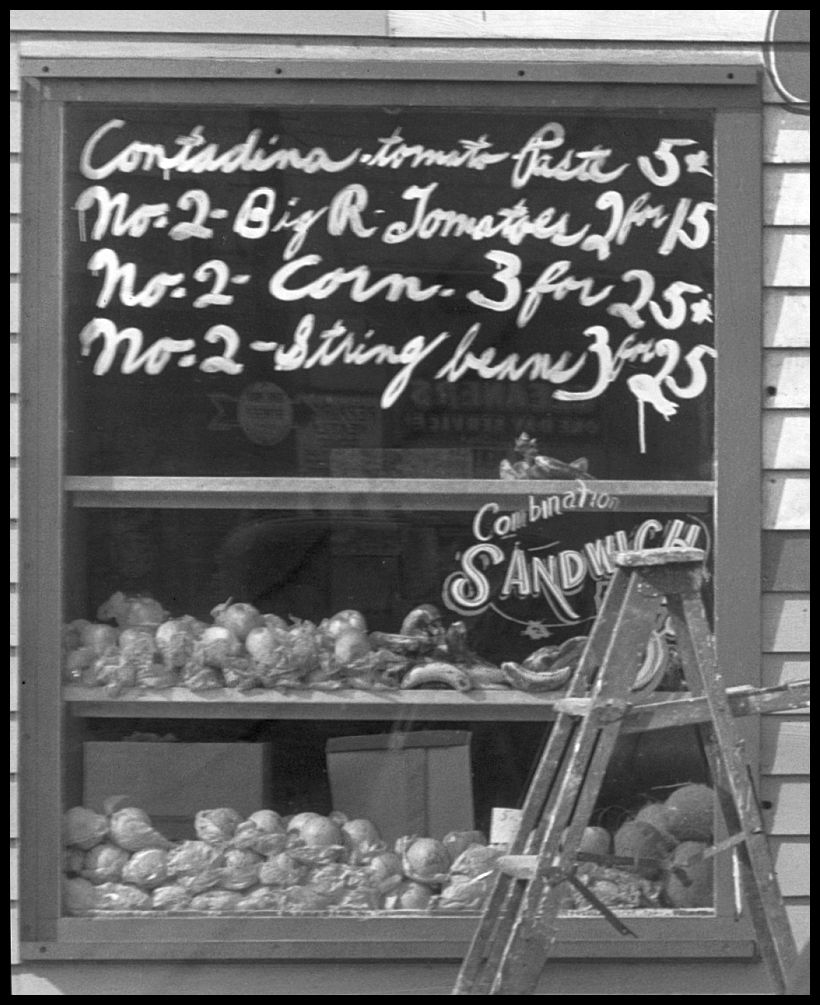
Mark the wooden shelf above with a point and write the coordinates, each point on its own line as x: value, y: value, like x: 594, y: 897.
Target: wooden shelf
x: 122, y: 491
x: 430, y: 705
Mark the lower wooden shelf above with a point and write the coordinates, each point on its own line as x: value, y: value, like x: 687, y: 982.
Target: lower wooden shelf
x: 659, y: 934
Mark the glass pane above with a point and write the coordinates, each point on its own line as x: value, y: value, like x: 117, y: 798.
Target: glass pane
x: 194, y: 813
x: 389, y: 292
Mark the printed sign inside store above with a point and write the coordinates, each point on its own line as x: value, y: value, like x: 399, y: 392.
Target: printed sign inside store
x: 462, y: 276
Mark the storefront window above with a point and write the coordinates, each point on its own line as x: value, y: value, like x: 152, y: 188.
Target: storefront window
x: 357, y: 394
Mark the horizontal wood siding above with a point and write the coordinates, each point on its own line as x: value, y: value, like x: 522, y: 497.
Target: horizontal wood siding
x: 786, y: 803
x: 586, y: 25
x: 786, y: 319
x: 784, y: 785
x: 786, y: 562
x: 211, y: 22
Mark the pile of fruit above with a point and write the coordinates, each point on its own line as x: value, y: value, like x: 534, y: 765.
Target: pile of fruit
x: 134, y: 642
x: 118, y: 861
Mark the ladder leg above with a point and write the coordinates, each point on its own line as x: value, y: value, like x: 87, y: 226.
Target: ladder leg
x: 736, y: 794
x: 534, y: 930
x: 480, y: 964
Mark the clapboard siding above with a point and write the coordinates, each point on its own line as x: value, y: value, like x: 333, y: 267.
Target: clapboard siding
x: 799, y: 911
x: 14, y: 428
x: 786, y: 501
x: 14, y: 831
x: 786, y: 565
x: 787, y: 378
x: 786, y: 440
x: 14, y: 185
x: 14, y: 126
x: 786, y: 319
x: 14, y: 872
x: 14, y: 246
x: 786, y: 256
x: 212, y: 22
x: 785, y: 622
x: 588, y: 25
x: 786, y: 136
x: 779, y: 668
x: 792, y: 865
x: 786, y: 806
x: 14, y: 697
x: 786, y: 196
x: 14, y: 305
x: 14, y: 365
x: 785, y: 746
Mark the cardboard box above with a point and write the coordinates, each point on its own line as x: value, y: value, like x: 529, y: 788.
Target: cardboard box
x: 173, y: 781
x: 405, y: 783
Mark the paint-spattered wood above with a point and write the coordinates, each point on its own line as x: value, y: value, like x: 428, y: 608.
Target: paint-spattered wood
x: 212, y: 22
x: 786, y: 440
x: 785, y: 745
x: 789, y: 811
x: 786, y: 501
x: 787, y: 196
x: 786, y: 136
x: 609, y: 25
x: 786, y: 561
x: 786, y: 319
x: 786, y: 256
x: 786, y: 378
x: 780, y: 669
x: 785, y: 620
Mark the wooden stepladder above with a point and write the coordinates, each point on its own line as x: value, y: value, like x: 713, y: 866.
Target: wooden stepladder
x: 518, y: 927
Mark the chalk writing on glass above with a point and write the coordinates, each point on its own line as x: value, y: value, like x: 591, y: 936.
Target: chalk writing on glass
x: 563, y: 252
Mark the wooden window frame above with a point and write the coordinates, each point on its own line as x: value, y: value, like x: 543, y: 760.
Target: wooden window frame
x: 732, y: 94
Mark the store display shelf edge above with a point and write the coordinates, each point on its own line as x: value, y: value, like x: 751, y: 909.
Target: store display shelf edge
x: 441, y: 705
x: 128, y: 491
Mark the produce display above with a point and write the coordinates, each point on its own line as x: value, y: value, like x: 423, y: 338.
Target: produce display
x: 135, y: 643
x: 117, y: 861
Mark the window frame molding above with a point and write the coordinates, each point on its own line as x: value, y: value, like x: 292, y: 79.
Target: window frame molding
x: 48, y: 81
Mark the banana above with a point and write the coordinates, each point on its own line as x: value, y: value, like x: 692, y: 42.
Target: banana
x: 403, y: 644
x: 423, y: 620
x: 485, y: 675
x: 436, y: 672
x: 536, y: 680
x: 654, y: 665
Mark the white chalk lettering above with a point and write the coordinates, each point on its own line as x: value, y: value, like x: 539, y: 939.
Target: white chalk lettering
x: 532, y: 161
x: 195, y: 155
x: 394, y: 153
x: 153, y: 360
x: 120, y: 279
x: 393, y: 286
x: 113, y: 216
